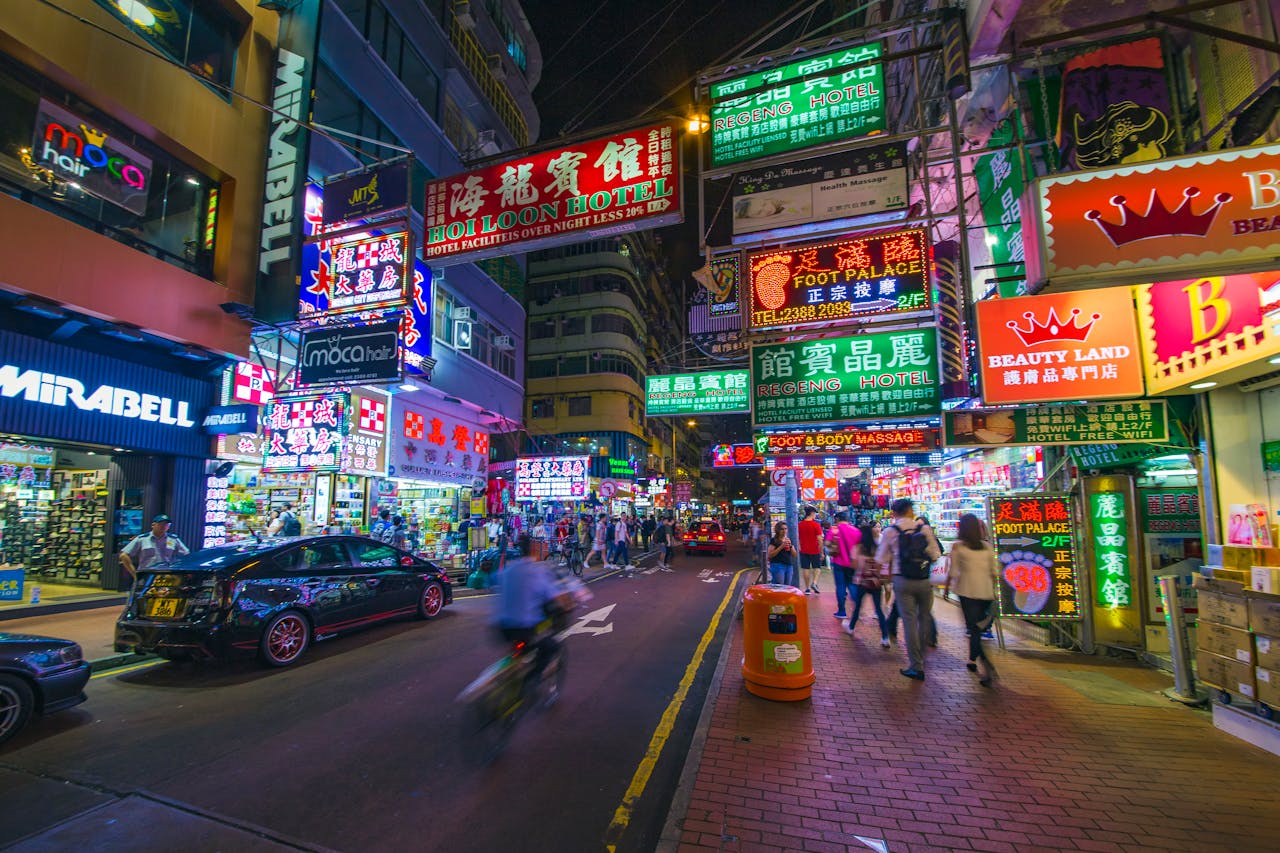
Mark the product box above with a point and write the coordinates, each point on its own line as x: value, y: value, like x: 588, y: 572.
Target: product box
x: 1224, y: 609
x: 1264, y: 579
x: 1237, y: 557
x: 1225, y: 641
x: 1268, y: 687
x: 1266, y: 652
x: 1225, y: 673
x: 1239, y: 576
x: 1218, y: 585
x: 1264, y: 614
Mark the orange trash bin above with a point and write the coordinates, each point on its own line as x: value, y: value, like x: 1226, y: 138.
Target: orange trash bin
x: 777, y: 661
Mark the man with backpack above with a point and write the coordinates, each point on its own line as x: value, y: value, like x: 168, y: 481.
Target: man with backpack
x: 289, y: 526
x: 909, y: 547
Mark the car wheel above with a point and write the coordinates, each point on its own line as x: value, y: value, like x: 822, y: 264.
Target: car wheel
x: 431, y: 602
x: 285, y: 638
x: 16, y: 702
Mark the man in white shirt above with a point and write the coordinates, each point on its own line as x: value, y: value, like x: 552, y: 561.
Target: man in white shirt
x: 153, y: 549
x: 908, y: 547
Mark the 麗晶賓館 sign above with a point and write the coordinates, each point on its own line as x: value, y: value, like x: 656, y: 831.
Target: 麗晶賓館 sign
x: 697, y: 393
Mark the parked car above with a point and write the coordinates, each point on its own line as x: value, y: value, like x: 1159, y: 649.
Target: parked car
x: 38, y: 675
x: 275, y: 597
x: 704, y: 536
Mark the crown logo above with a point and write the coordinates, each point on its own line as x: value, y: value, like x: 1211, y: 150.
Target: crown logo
x: 93, y: 136
x: 1159, y: 220
x: 1053, y: 329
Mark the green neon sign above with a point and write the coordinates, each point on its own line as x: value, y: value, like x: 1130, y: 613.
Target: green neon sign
x: 711, y: 392
x: 812, y: 101
x: 1109, y: 527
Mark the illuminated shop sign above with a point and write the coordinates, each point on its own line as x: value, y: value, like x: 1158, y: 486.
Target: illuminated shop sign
x: 216, y: 492
x: 84, y: 154
x: 1141, y: 222
x: 819, y: 99
x: 305, y: 434
x: 350, y: 355
x: 734, y: 456
x: 1220, y: 326
x: 836, y: 186
x: 367, y: 195
x: 317, y: 283
x: 610, y: 185
x: 252, y: 383
x: 365, y: 451
x: 231, y: 420
x: 810, y: 285
x: 724, y: 285
x: 436, y: 446
x: 552, y: 478
x: 50, y: 389
x: 1109, y: 530
x: 1080, y: 345
x: 621, y: 468
x: 26, y: 465
x: 367, y: 273
x: 1128, y: 422
x: 1033, y: 538
x: 887, y: 374
x: 888, y: 440
x: 697, y: 393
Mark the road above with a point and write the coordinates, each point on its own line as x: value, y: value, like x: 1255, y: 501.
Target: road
x: 357, y: 747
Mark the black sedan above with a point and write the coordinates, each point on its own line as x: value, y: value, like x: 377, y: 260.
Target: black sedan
x: 38, y: 675
x: 275, y: 597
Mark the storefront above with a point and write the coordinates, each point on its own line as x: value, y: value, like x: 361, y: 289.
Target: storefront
x: 91, y: 447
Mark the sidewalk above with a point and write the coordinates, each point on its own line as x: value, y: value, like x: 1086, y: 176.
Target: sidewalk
x: 1067, y: 752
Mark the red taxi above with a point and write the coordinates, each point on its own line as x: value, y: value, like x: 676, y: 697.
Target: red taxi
x: 704, y: 536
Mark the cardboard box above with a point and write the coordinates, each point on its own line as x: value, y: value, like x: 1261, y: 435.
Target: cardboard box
x: 1264, y: 614
x: 1225, y: 674
x: 1225, y: 641
x: 1237, y: 557
x: 1264, y: 579
x: 1239, y: 576
x: 1266, y: 652
x: 1218, y: 585
x: 1268, y: 687
x: 1225, y: 609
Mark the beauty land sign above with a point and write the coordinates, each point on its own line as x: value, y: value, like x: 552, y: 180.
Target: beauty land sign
x: 1077, y: 345
x: 611, y: 185
x: 1182, y: 214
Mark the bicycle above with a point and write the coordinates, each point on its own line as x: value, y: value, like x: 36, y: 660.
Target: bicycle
x: 569, y: 555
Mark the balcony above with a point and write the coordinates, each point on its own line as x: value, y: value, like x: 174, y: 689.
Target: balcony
x: 477, y: 62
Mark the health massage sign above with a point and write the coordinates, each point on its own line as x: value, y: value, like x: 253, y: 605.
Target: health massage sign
x: 1033, y: 538
x: 617, y: 183
x: 819, y: 99
x: 697, y: 393
x: 1132, y: 421
x: 875, y: 275
x: 874, y: 376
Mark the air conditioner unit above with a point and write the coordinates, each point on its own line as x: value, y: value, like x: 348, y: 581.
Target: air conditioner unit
x: 503, y: 342
x: 1261, y: 383
x: 461, y: 313
x: 487, y: 143
x: 462, y: 12
x: 497, y: 67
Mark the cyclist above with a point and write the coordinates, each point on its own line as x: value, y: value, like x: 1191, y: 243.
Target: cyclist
x: 527, y: 592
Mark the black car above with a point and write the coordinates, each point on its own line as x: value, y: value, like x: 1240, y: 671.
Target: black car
x: 38, y: 675
x: 275, y: 596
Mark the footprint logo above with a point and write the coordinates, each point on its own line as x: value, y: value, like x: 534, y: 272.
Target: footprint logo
x: 771, y: 282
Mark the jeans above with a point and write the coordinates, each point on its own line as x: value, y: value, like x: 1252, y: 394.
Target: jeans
x: 843, y: 576
x: 621, y: 554
x: 780, y: 573
x: 915, y: 602
x: 859, y: 592
x: 975, y: 611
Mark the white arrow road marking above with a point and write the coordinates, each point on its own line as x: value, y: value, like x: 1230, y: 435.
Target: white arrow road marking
x: 711, y: 580
x: 877, y: 844
x: 584, y: 626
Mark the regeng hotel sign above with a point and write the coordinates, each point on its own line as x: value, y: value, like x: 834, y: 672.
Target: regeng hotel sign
x: 615, y: 184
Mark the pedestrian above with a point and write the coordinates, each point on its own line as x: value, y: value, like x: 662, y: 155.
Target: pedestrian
x: 908, y: 547
x: 599, y: 543
x: 661, y: 538
x: 397, y: 535
x: 868, y: 576
x: 974, y: 573
x: 621, y: 549
x: 275, y: 523
x: 152, y: 550
x: 493, y: 529
x: 380, y: 527
x: 584, y: 528
x: 781, y: 555
x: 647, y: 528
x: 289, y: 524
x: 810, y: 550
x: 413, y: 539
x: 762, y: 550
x: 841, y: 539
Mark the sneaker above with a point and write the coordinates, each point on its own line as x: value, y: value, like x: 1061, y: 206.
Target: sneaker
x: 816, y: 591
x: 915, y: 674
x: 586, y: 566
x: 884, y: 642
x: 630, y: 568
x: 839, y: 615
x: 665, y: 569
x: 806, y: 592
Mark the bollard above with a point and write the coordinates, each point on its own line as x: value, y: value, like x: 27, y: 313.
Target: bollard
x: 777, y: 661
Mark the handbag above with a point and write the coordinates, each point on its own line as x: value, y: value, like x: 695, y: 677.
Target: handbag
x: 870, y: 575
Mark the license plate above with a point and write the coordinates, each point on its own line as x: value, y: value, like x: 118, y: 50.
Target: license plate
x: 702, y: 539
x: 164, y: 607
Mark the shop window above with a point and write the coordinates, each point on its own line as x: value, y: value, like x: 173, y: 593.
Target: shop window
x: 573, y: 326
x: 579, y: 407
x: 200, y: 36
x: 543, y: 407
x: 174, y: 218
x: 374, y: 556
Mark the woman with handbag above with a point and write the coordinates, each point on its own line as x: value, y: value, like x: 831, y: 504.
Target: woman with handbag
x: 868, y: 576
x: 781, y: 555
x: 974, y: 573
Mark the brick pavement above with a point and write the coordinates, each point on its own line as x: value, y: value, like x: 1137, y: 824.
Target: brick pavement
x: 1032, y: 764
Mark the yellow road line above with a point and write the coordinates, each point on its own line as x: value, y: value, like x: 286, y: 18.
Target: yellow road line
x: 622, y: 816
x: 122, y: 670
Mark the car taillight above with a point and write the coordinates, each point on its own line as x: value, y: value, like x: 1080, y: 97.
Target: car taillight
x: 227, y: 590
x: 719, y: 537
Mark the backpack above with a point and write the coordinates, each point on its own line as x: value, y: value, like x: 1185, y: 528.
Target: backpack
x: 292, y: 527
x: 913, y: 558
x: 660, y: 535
x: 609, y: 532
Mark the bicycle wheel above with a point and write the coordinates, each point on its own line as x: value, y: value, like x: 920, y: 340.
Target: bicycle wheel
x: 575, y: 563
x: 552, y: 685
x: 489, y: 720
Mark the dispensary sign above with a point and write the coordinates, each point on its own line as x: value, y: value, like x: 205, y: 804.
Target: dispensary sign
x: 889, y: 374
x: 819, y: 99
x: 603, y: 186
x: 697, y: 393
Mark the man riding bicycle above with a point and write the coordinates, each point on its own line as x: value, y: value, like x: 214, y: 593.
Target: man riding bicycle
x: 528, y: 595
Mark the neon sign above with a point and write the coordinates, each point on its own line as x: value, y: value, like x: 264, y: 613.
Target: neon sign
x: 828, y: 282
x: 73, y: 148
x: 305, y: 433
